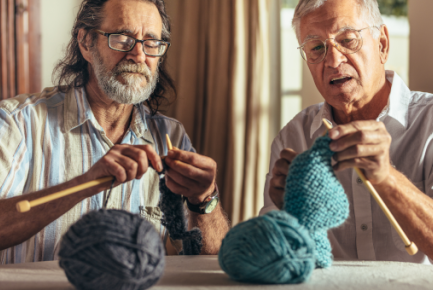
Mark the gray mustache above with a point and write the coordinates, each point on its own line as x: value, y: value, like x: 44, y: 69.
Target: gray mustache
x: 132, y: 68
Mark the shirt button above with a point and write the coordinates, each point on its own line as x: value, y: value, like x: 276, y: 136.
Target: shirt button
x: 358, y: 180
x: 364, y: 227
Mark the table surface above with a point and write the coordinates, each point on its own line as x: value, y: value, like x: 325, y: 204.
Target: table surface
x: 203, y: 272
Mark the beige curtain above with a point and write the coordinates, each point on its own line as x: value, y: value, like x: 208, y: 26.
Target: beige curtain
x: 221, y: 59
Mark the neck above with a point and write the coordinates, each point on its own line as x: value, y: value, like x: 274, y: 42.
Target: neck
x: 114, y: 118
x: 366, y: 108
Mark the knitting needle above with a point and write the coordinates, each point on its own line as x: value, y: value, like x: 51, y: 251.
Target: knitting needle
x: 410, y: 246
x: 169, y: 145
x: 25, y: 205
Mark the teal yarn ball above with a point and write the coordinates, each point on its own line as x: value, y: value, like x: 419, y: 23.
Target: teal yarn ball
x: 272, y: 249
x: 315, y: 196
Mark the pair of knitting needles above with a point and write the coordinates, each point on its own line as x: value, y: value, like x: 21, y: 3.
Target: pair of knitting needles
x: 25, y: 205
x: 410, y: 246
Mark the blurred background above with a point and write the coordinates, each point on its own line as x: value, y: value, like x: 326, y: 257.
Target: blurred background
x: 239, y: 74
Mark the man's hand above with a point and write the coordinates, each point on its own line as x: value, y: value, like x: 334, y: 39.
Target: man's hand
x: 190, y: 174
x: 362, y: 144
x: 279, y: 175
x: 125, y: 163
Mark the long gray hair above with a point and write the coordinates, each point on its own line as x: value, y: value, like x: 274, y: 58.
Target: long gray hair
x: 369, y: 9
x: 72, y: 71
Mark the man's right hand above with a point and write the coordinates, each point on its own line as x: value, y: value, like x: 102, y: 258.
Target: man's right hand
x: 279, y: 175
x: 125, y: 163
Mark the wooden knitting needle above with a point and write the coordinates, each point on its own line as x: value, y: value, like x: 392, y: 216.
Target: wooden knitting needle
x: 169, y: 145
x: 410, y: 246
x: 25, y: 205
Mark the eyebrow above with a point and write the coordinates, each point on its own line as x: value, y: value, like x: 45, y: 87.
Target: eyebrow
x: 127, y: 31
x: 310, y: 36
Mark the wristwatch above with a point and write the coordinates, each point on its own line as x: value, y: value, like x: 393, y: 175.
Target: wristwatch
x: 207, y: 206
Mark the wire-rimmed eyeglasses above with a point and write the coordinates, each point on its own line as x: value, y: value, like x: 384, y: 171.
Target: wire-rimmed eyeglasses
x: 125, y: 43
x: 347, y: 41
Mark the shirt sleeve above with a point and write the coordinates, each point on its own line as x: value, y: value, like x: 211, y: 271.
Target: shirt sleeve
x: 277, y: 146
x: 12, y: 151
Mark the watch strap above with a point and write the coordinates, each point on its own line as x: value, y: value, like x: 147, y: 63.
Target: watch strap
x: 201, y: 207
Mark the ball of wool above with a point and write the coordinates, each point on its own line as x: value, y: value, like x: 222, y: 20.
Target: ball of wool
x: 315, y: 196
x: 112, y: 249
x: 273, y: 248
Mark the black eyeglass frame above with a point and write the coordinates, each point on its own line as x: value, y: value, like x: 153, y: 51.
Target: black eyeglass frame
x: 135, y: 42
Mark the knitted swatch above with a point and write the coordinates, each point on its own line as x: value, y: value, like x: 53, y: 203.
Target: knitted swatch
x: 175, y: 221
x: 315, y: 196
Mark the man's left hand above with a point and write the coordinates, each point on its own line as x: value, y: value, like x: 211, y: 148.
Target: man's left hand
x: 362, y: 144
x: 190, y: 174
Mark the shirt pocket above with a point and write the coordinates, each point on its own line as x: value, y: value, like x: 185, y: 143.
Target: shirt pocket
x: 153, y: 215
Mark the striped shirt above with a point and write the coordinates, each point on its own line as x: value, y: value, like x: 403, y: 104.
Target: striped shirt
x: 51, y: 137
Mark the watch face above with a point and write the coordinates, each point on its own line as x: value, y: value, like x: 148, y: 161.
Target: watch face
x: 211, y: 205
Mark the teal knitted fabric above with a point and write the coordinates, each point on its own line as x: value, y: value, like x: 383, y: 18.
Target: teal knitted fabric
x: 285, y: 246
x: 315, y: 196
x: 273, y: 248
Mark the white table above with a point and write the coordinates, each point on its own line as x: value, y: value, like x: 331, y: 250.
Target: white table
x: 203, y: 272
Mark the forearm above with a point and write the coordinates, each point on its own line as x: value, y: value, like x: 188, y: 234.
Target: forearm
x: 412, y: 209
x: 16, y: 227
x: 214, y: 226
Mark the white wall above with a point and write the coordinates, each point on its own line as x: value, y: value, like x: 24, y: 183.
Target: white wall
x: 57, y: 17
x: 421, y: 45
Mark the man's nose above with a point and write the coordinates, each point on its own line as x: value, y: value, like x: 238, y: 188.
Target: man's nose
x: 137, y: 54
x: 334, y: 57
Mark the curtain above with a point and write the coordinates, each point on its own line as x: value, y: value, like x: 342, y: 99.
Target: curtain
x: 224, y: 64
x: 20, y: 47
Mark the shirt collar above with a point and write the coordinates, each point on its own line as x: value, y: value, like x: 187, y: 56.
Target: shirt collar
x: 397, y: 108
x: 77, y: 112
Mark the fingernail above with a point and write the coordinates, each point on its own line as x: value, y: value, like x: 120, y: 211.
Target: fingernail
x: 334, y: 134
x: 159, y: 166
x: 170, y: 153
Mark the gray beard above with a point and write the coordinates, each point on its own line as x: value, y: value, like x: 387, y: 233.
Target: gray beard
x: 131, y: 92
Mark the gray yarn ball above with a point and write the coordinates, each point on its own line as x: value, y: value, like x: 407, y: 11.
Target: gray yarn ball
x: 112, y: 249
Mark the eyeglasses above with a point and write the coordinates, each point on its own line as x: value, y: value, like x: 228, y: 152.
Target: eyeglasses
x: 125, y: 43
x: 347, y: 41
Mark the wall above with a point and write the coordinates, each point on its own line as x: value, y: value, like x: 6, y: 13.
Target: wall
x: 57, y: 17
x: 421, y: 45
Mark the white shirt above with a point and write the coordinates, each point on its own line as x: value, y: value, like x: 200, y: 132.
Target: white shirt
x: 367, y: 234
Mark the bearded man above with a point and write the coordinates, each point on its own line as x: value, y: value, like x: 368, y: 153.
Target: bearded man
x: 101, y: 120
x: 380, y: 126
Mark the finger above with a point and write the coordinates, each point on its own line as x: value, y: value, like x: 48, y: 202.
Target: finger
x: 151, y: 154
x: 277, y: 196
x: 360, y: 137
x: 281, y: 167
x: 139, y: 156
x: 183, y: 181
x: 191, y: 158
x: 175, y: 187
x: 113, y: 168
x: 352, y: 127
x: 359, y: 151
x: 288, y: 154
x: 367, y: 163
x: 129, y: 166
x: 189, y: 171
x: 278, y: 182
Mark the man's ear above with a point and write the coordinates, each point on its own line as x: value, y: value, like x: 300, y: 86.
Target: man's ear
x: 84, y: 43
x: 384, y: 44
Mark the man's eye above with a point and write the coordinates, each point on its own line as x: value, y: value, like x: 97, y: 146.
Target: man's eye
x: 317, y: 48
x: 348, y: 40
